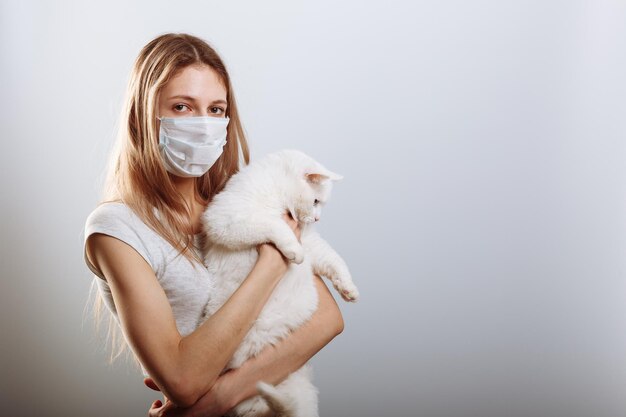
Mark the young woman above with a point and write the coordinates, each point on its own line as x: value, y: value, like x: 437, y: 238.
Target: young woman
x: 180, y: 141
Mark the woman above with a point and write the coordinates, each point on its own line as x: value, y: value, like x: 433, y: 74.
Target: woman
x: 142, y: 240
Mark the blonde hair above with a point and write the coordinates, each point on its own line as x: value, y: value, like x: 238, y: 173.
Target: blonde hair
x: 136, y: 175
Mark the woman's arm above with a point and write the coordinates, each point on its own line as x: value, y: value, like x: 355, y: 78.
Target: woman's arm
x: 275, y: 363
x: 183, y: 368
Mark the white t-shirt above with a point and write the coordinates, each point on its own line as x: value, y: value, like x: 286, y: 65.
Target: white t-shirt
x: 187, y: 289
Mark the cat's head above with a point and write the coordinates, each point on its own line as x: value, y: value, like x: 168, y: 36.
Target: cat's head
x: 312, y: 186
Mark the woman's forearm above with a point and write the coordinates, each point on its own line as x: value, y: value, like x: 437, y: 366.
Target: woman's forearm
x: 275, y: 363
x: 220, y: 335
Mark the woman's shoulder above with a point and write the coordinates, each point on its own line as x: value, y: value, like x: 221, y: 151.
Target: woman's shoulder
x: 110, y: 208
x: 111, y: 212
x: 108, y: 212
x: 116, y: 219
x: 114, y: 215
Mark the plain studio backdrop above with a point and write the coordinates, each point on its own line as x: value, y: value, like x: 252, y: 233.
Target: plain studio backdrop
x: 482, y: 213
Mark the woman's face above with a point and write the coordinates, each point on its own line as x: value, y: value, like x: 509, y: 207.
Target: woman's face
x: 195, y: 90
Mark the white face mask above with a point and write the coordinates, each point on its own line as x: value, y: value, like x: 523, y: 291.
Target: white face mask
x: 191, y: 145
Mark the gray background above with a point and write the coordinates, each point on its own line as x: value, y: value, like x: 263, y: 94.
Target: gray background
x: 483, y: 209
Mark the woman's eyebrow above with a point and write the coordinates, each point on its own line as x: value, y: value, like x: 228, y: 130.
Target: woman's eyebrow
x: 194, y: 99
x: 183, y: 97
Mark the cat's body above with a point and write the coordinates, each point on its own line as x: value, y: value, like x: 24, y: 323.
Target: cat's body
x: 249, y: 212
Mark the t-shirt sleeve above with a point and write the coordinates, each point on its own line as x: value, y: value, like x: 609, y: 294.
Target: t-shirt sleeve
x: 119, y: 221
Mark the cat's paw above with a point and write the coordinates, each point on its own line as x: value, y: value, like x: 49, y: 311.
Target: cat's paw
x: 347, y: 290
x: 295, y: 254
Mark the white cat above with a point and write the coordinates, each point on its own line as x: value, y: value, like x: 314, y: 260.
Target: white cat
x: 248, y: 212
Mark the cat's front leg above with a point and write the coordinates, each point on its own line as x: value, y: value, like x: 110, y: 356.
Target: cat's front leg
x: 254, y: 231
x: 238, y: 233
x: 285, y: 240
x: 326, y: 262
x: 340, y: 276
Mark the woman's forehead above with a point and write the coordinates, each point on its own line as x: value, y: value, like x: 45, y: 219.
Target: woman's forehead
x: 199, y: 82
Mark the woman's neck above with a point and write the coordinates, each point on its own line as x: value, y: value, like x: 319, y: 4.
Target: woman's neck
x: 187, y: 188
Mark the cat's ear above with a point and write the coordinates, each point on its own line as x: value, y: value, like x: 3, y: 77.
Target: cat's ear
x: 321, y: 175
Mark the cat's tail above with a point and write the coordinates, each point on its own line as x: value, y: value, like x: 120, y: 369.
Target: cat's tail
x: 279, y: 402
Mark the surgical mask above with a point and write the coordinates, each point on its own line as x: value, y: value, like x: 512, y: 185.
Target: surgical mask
x: 189, y: 146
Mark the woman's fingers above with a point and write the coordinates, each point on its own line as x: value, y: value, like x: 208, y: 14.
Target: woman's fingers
x: 150, y: 384
x: 290, y: 220
x: 292, y: 223
x: 155, y: 408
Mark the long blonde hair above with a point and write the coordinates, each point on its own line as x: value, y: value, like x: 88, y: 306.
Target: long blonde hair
x: 136, y: 175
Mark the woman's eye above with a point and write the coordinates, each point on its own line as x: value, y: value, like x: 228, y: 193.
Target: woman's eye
x: 180, y: 107
x: 217, y: 110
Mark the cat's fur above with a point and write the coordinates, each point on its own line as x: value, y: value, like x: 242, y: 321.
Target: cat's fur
x: 248, y: 212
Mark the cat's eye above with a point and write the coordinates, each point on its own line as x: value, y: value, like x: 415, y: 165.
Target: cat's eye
x: 316, y: 202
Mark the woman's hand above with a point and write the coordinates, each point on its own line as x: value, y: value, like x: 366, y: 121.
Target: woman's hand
x: 220, y: 398
x: 158, y: 409
x: 168, y: 409
x: 269, y: 253
x: 293, y: 223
